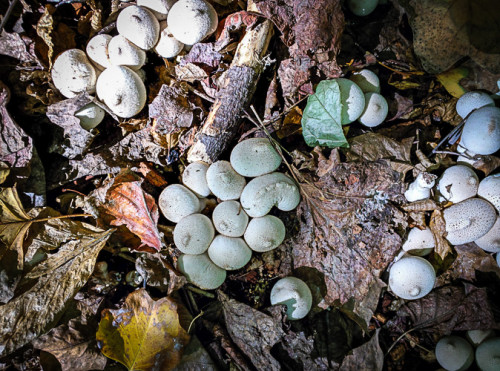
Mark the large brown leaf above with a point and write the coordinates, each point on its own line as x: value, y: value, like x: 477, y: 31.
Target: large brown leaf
x: 368, y: 356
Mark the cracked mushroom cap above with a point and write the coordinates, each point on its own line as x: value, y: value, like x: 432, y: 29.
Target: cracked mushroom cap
x: 190, y: 21
x: 266, y: 191
x: 139, y: 25
x: 375, y: 111
x: 295, y: 294
x: 195, y: 178
x: 73, y: 73
x: 168, y: 46
x: 367, y: 80
x: 123, y: 53
x: 176, y: 202
x: 90, y: 116
x: 458, y: 183
x: 201, y: 271
x: 229, y: 253
x: 491, y: 240
x: 420, y: 242
x: 254, y: 157
x: 122, y: 90
x: 412, y: 278
x: 468, y: 220
x: 97, y: 50
x: 352, y: 100
x: 265, y: 233
x: 159, y: 8
x: 481, y: 132
x: 454, y: 353
x: 224, y: 182
x: 472, y: 100
x: 420, y: 188
x: 193, y: 234
x: 230, y: 219
x: 488, y: 355
x: 489, y: 189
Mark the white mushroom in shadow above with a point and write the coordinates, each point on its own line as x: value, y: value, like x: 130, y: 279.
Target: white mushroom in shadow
x: 481, y: 132
x: 123, y: 53
x: 190, y: 21
x: 489, y: 189
x: 176, y: 202
x: 362, y: 8
x: 97, y: 50
x: 201, y: 271
x: 488, y: 355
x: 90, y: 116
x: 454, y: 353
x: 412, y: 278
x: 265, y: 233
x: 420, y: 188
x: 193, y: 234
x: 476, y: 337
x: 168, y: 46
x: 229, y: 253
x: 254, y: 157
x: 159, y: 8
x: 230, y: 219
x: 458, y: 183
x: 73, y: 73
x: 295, y: 294
x: 194, y: 177
x: 472, y: 100
x: 491, y: 240
x: 367, y: 80
x: 420, y: 242
x: 352, y: 100
x: 375, y: 110
x: 139, y: 25
x: 224, y: 182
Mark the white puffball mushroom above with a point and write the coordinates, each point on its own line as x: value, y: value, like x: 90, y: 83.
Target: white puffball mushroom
x: 159, y: 8
x: 254, y: 157
x: 476, y: 337
x: 458, y: 183
x: 230, y: 219
x: 122, y: 90
x: 367, y: 80
x: 201, y: 271
x: 375, y: 111
x: 195, y: 178
x: 73, y: 73
x: 176, y: 202
x: 491, y: 240
x: 295, y: 294
x: 190, y: 21
x: 488, y: 355
x: 123, y: 53
x: 420, y: 188
x: 224, y: 182
x: 454, y: 353
x: 352, y: 100
x: 498, y: 259
x: 266, y: 191
x: 468, y: 220
x: 412, y: 278
x: 489, y: 189
x: 362, y: 7
x: 139, y: 26
x: 168, y: 46
x: 420, y: 242
x: 481, y: 132
x: 229, y: 253
x: 90, y: 116
x: 193, y: 234
x: 472, y: 100
x: 265, y: 233
x: 142, y: 74
x: 97, y: 50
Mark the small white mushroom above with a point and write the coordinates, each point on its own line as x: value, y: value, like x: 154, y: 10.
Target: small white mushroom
x: 458, y: 183
x: 266, y: 191
x: 230, y: 219
x: 420, y: 188
x: 420, y: 242
x: 123, y: 53
x: 491, y: 240
x: 224, y: 182
x: 295, y: 294
x: 122, y: 90
x: 468, y: 220
x: 352, y: 100
x: 176, y: 202
x: 489, y: 189
x: 362, y: 8
x: 193, y: 234
x: 375, y: 111
x: 195, y: 178
x: 90, y: 116
x: 201, y: 271
x: 454, y: 353
x: 139, y: 26
x: 97, y: 50
x: 159, y: 8
x: 190, y: 21
x: 73, y: 73
x: 481, y: 132
x: 476, y: 337
x: 367, y: 80
x: 265, y: 233
x: 254, y: 157
x: 229, y: 253
x: 488, y: 355
x: 412, y: 278
x: 168, y: 46
x: 472, y: 100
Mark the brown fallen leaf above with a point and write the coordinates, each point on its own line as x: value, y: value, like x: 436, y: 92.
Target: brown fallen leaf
x: 438, y: 227
x: 368, y: 356
x: 373, y: 146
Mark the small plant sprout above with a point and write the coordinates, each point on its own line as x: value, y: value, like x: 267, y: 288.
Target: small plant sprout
x: 481, y: 132
x: 367, y: 80
x: 230, y: 219
x: 193, y: 234
x: 362, y: 7
x: 201, y: 271
x: 476, y: 337
x: 375, y: 111
x: 491, y: 240
x: 224, y: 182
x: 254, y: 157
x: 229, y: 253
x: 420, y: 188
x: 159, y: 8
x: 176, y: 202
x: 73, y: 73
x: 265, y: 233
x: 139, y: 26
x: 190, y: 21
x: 472, y: 100
x: 488, y: 355
x: 195, y: 178
x: 97, y: 50
x: 412, y: 278
x: 168, y: 46
x: 352, y: 100
x: 123, y: 53
x: 420, y: 242
x: 458, y: 183
x: 489, y: 189
x: 454, y: 353
x: 295, y: 294
x: 90, y: 116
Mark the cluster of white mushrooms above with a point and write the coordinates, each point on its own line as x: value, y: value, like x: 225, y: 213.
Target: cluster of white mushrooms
x: 112, y: 65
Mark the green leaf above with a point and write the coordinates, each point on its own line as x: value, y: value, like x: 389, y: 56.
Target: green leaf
x: 321, y: 119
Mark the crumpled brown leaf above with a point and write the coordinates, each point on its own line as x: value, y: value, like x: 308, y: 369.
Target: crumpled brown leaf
x: 368, y: 356
x: 20, y: 47
x: 438, y: 227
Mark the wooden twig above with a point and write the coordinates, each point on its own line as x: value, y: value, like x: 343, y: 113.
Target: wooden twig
x: 6, y: 17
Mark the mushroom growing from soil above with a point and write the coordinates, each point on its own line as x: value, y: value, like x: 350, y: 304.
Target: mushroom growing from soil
x: 420, y: 242
x: 367, y: 80
x: 224, y: 182
x: 491, y: 240
x: 97, y: 50
x: 193, y: 234
x: 295, y: 294
x: 229, y: 253
x: 412, y: 278
x: 454, y: 353
x: 254, y: 157
x: 73, y: 73
x: 195, y: 178
x: 123, y: 53
x: 458, y: 183
x: 481, y: 132
x: 375, y: 111
x: 420, y: 188
x: 472, y: 100
x: 265, y: 233
x: 168, y: 46
x: 201, y: 271
x: 139, y: 26
x: 352, y: 100
x: 190, y: 21
x: 90, y: 116
x: 176, y: 202
x: 230, y: 219
x: 488, y: 355
x: 159, y: 8
x: 489, y: 189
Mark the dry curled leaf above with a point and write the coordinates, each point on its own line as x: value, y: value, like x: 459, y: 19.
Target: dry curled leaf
x: 438, y: 227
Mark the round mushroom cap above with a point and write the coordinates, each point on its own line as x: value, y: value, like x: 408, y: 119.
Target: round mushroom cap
x: 375, y: 111
x: 476, y: 337
x: 123, y: 53
x: 472, y: 100
x: 468, y: 220
x: 190, y: 21
x: 201, y: 271
x: 122, y: 90
x: 230, y: 219
x: 90, y: 116
x: 352, y: 100
x: 73, y: 73
x: 193, y: 234
x: 295, y: 294
x: 412, y: 278
x: 489, y: 189
x: 481, y: 132
x: 159, y: 8
x: 265, y: 233
x: 139, y: 26
x: 195, y: 178
x: 420, y: 242
x: 266, y: 191
x: 458, y: 183
x: 97, y: 50
x: 176, y: 202
x: 229, y: 253
x: 254, y: 157
x: 367, y: 80
x: 488, y: 355
x: 224, y: 182
x: 491, y: 240
x: 168, y: 46
x: 454, y: 353
x: 362, y: 8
